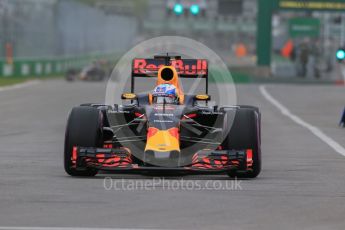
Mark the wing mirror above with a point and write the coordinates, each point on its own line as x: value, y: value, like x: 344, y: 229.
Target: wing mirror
x: 202, y: 97
x: 128, y: 96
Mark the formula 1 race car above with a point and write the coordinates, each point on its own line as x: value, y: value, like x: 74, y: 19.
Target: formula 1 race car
x: 342, y: 119
x: 92, y: 72
x: 156, y: 133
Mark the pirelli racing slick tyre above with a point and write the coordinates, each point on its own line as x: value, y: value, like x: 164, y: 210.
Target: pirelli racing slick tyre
x: 245, y: 134
x: 71, y: 74
x: 84, y: 128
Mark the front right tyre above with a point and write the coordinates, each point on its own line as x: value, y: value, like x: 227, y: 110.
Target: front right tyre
x: 84, y: 129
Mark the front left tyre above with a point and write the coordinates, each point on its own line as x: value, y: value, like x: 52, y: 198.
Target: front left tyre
x: 84, y: 129
x: 245, y: 133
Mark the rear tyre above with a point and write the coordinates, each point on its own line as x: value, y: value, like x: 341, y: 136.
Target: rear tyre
x: 245, y: 134
x: 84, y: 128
x: 71, y: 74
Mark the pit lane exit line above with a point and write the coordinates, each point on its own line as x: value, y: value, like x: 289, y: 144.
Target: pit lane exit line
x: 64, y: 228
x: 316, y: 131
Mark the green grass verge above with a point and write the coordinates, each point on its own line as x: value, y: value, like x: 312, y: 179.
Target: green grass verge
x: 12, y: 81
x: 7, y: 81
x: 237, y: 77
x: 241, y: 78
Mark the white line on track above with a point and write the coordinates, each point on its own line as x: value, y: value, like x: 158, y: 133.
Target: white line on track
x: 63, y: 228
x: 19, y: 86
x: 316, y: 131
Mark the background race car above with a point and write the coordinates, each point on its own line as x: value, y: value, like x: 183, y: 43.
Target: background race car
x: 96, y: 71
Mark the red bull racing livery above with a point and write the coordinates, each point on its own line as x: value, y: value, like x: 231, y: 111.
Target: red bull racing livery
x: 164, y: 131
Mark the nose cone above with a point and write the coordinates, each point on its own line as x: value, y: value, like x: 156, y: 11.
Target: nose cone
x: 162, y: 140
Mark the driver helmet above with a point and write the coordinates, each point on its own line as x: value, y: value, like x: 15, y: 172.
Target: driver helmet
x: 165, y: 94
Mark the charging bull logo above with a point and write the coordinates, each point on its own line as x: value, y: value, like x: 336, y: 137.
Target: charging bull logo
x: 184, y: 67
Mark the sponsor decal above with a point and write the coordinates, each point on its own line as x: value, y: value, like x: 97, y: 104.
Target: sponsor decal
x: 166, y: 107
x: 186, y: 67
x: 312, y: 5
x: 209, y: 113
x: 162, y: 121
x: 164, y: 114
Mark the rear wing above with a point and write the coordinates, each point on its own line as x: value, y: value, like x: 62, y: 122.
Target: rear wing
x: 186, y: 68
